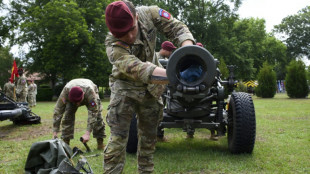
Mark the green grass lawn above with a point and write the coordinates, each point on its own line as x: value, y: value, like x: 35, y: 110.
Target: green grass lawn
x: 282, y: 143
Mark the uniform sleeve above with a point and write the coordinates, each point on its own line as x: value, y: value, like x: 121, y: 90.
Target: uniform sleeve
x: 59, y: 109
x: 172, y: 28
x: 93, y: 106
x: 130, y: 65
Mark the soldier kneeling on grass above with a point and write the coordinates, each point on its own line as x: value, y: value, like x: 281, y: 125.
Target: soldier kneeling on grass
x: 79, y: 92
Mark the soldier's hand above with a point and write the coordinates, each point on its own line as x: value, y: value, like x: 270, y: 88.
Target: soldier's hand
x: 55, y: 135
x: 86, y: 137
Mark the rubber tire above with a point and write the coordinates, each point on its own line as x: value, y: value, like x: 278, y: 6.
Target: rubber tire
x: 241, y: 123
x: 132, y: 144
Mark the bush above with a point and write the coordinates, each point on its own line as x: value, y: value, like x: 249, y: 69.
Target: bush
x: 45, y: 93
x: 58, y: 89
x: 107, y: 92
x: 101, y: 95
x: 296, y: 81
x: 267, y: 82
x: 223, y: 68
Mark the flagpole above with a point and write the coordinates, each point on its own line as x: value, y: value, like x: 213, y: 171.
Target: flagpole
x: 14, y: 95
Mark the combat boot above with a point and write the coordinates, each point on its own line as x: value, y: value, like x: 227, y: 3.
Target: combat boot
x: 100, y: 145
x: 66, y: 140
x: 213, y: 136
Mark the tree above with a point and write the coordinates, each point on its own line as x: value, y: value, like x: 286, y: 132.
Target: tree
x: 297, y: 31
x: 275, y: 53
x: 296, y: 82
x: 223, y: 68
x: 267, y: 85
x: 4, y: 28
x: 66, y: 38
x: 98, y: 67
x: 6, y: 60
x: 308, y: 75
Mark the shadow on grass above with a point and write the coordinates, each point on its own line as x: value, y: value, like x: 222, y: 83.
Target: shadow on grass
x: 198, y: 149
x: 192, y: 144
x: 6, y: 130
x: 23, y: 132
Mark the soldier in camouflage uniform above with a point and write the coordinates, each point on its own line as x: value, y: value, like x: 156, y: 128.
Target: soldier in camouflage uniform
x: 8, y: 89
x: 76, y: 93
x: 35, y: 93
x: 21, y: 89
x: 31, y: 93
x: 133, y: 83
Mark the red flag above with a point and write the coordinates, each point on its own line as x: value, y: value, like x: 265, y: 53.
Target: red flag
x: 14, y: 72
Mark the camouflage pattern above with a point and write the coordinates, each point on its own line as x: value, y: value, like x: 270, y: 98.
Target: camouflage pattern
x: 35, y: 94
x: 131, y: 91
x: 91, y: 100
x: 31, y: 95
x: 8, y: 90
x: 22, y: 89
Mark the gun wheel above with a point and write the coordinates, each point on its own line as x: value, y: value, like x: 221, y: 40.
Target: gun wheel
x: 241, y: 123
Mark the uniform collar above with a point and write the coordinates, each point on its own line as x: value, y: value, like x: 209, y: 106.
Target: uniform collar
x: 139, y: 37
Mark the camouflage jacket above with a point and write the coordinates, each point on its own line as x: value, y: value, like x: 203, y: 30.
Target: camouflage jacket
x: 35, y: 89
x: 8, y: 89
x: 91, y: 101
x: 31, y: 89
x: 22, y: 85
x: 132, y: 67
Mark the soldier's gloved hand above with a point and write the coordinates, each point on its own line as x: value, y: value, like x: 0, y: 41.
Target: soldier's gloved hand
x: 55, y: 135
x: 86, y: 137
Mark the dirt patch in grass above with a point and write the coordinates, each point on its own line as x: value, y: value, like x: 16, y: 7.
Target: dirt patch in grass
x: 260, y: 138
x: 13, y: 132
x: 25, y: 132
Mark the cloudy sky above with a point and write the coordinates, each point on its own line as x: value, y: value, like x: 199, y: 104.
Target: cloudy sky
x: 273, y: 11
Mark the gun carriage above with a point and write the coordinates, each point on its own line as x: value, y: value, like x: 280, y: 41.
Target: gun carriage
x: 18, y: 112
x: 195, y: 98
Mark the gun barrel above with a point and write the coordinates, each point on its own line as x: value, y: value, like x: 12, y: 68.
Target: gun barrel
x: 191, y: 68
x: 10, y: 114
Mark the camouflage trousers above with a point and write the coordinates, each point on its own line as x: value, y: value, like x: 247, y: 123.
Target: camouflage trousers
x: 35, y: 100
x: 119, y: 116
x: 11, y: 95
x: 22, y: 97
x: 31, y: 100
x: 68, y: 123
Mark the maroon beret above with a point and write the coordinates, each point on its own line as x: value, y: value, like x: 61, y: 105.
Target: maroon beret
x: 168, y: 46
x: 199, y: 44
x: 75, y: 94
x: 118, y: 18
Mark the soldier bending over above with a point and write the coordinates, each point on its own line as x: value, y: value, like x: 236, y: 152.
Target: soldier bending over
x: 76, y: 93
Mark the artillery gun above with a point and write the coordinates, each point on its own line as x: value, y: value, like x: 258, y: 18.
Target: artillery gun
x: 195, y: 98
x: 18, y: 112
